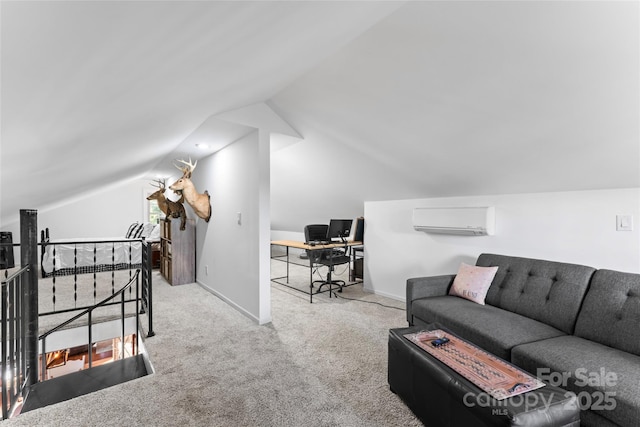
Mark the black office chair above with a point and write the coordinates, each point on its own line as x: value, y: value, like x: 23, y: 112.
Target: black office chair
x: 317, y: 234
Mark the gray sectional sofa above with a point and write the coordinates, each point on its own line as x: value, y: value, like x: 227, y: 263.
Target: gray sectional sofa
x: 571, y: 325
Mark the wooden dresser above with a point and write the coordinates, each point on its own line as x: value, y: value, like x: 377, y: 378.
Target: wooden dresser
x: 178, y: 251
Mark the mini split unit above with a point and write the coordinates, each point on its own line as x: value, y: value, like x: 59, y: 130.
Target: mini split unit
x: 466, y: 221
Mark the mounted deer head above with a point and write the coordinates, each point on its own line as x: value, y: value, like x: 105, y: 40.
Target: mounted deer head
x: 159, y: 195
x: 170, y: 208
x: 200, y: 203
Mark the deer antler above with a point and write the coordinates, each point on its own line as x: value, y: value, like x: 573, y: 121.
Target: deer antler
x: 188, y: 169
x: 161, y: 183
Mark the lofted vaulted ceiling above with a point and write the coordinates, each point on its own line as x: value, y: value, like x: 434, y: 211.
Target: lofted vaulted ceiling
x: 95, y: 93
x: 393, y: 99
x: 456, y: 98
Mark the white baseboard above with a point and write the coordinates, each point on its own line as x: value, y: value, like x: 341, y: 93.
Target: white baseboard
x: 385, y: 294
x: 231, y: 303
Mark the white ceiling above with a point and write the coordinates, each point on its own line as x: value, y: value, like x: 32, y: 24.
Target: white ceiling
x: 466, y: 98
x: 394, y: 100
x: 94, y: 93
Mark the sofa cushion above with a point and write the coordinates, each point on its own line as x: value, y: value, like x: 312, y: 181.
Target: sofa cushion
x: 491, y: 328
x: 602, y: 377
x: 610, y: 314
x: 594, y: 419
x: 547, y: 291
x: 472, y: 282
x: 424, y: 287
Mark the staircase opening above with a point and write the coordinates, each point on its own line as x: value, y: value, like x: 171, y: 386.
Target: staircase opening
x: 69, y: 352
x: 97, y: 348
x: 67, y: 374
x: 62, y: 362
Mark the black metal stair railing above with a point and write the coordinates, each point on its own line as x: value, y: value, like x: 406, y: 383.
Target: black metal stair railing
x: 76, y: 269
x: 19, y: 304
x: 146, y: 295
x: 14, y: 357
x: 89, y: 313
x: 13, y: 305
x: 145, y: 266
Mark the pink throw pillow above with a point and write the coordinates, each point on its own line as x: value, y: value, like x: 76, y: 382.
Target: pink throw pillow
x: 473, y: 282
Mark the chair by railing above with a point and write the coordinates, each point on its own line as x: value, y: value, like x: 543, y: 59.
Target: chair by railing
x: 14, y: 356
x: 89, y: 312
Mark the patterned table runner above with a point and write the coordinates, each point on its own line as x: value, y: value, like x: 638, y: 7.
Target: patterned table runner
x: 490, y: 373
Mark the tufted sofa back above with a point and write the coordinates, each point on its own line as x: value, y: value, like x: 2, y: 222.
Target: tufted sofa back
x: 610, y: 314
x: 547, y: 291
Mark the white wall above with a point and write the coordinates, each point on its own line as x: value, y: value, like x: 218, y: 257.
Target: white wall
x: 107, y: 213
x: 232, y: 260
x: 229, y: 256
x: 576, y: 227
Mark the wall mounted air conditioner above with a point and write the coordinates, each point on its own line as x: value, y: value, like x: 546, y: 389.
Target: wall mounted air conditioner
x: 467, y: 221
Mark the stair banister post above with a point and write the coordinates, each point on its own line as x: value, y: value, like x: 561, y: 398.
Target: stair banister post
x: 122, y: 332
x: 43, y: 364
x: 90, y: 346
x: 29, y: 256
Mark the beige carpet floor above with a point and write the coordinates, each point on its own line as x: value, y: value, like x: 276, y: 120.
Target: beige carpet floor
x: 320, y: 364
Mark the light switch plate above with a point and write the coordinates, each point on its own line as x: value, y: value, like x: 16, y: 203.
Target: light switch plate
x: 624, y: 222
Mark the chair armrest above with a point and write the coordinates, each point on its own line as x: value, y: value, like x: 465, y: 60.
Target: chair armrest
x: 424, y: 287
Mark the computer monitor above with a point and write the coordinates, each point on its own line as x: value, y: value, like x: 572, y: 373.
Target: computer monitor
x: 339, y: 229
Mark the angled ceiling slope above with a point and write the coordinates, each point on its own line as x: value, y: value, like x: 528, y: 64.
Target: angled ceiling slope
x: 262, y: 116
x: 444, y: 99
x: 99, y: 93
x: 220, y: 130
